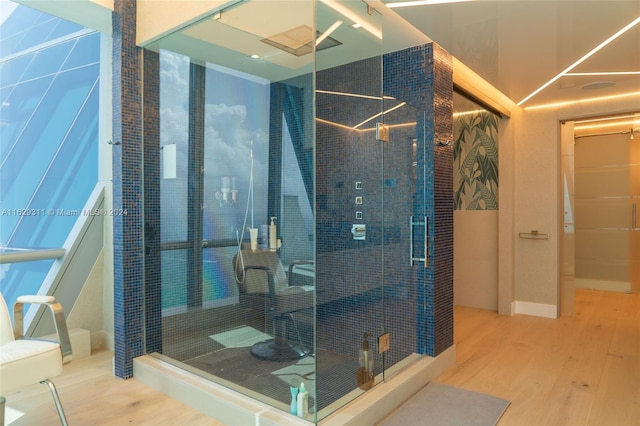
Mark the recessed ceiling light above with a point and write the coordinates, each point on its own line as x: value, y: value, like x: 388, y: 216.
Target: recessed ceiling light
x: 583, y: 101
x: 422, y: 3
x: 357, y: 25
x: 254, y: 56
x: 599, y: 119
x: 587, y: 74
x: 597, y: 85
x: 602, y: 125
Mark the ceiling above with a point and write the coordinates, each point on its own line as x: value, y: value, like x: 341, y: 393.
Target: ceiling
x: 518, y: 46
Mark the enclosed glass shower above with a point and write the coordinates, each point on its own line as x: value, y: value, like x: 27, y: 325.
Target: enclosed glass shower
x: 294, y: 234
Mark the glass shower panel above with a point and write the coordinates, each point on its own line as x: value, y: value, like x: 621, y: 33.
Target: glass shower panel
x: 237, y: 127
x: 349, y: 197
x: 405, y: 237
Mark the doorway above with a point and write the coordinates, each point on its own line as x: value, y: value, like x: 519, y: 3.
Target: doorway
x: 601, y: 162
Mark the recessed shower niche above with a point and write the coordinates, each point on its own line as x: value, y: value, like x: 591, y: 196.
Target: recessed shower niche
x: 272, y: 125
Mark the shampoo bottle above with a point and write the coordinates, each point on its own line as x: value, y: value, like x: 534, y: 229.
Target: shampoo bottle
x: 273, y: 235
x: 366, y: 376
x: 303, y: 401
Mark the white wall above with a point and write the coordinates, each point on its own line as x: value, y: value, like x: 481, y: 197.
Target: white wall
x: 506, y: 216
x: 537, y: 157
x: 475, y: 254
x: 87, y: 312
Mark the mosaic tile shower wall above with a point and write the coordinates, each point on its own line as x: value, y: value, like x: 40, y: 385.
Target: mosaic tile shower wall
x: 349, y: 283
x: 128, y: 191
x: 422, y: 77
x: 443, y: 204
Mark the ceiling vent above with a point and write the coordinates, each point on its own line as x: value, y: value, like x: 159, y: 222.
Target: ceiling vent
x: 299, y: 41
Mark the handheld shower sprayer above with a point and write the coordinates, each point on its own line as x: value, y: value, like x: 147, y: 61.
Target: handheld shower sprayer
x: 253, y: 232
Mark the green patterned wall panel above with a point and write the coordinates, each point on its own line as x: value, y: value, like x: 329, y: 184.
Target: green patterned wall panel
x: 475, y: 157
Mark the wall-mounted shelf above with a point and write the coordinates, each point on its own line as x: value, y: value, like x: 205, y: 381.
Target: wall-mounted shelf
x: 533, y: 235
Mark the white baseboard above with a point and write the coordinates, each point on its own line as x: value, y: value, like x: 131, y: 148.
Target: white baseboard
x: 535, y: 309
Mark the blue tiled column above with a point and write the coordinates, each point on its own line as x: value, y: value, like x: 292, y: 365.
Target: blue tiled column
x: 128, y: 196
x: 422, y: 77
x: 442, y: 235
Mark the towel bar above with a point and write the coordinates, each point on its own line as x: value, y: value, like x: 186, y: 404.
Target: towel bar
x: 533, y: 235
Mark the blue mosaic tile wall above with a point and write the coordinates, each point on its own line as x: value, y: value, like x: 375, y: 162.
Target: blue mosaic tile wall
x: 349, y: 272
x: 128, y: 249
x: 422, y: 77
x: 443, y: 203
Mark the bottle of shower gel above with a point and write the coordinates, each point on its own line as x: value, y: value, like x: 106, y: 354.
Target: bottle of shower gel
x: 293, y: 409
x: 264, y: 237
x: 303, y: 401
x: 366, y: 376
x: 273, y: 235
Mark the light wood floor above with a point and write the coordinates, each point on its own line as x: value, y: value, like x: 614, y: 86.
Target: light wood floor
x: 579, y: 370
x: 92, y: 396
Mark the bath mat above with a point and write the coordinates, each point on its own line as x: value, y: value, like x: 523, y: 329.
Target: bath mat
x: 438, y: 404
x: 241, y: 337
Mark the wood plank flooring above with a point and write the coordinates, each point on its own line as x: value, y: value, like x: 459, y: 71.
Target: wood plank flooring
x: 577, y: 370
x: 91, y: 395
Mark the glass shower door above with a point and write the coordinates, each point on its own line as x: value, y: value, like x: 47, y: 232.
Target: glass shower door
x: 349, y: 203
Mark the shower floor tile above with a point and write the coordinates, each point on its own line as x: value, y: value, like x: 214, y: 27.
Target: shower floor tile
x: 273, y: 379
